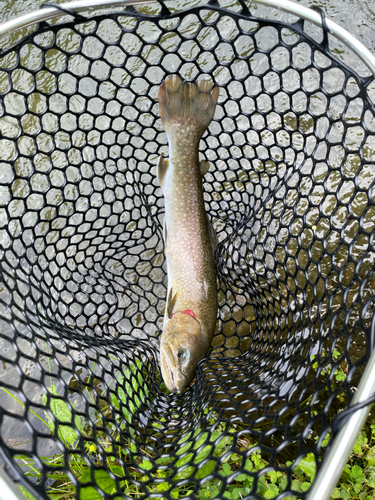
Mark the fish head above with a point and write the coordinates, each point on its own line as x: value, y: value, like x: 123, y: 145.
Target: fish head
x: 182, y: 345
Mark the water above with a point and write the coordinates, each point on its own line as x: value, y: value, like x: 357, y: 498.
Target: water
x: 361, y: 25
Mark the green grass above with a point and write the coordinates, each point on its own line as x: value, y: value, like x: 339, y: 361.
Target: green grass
x: 357, y: 480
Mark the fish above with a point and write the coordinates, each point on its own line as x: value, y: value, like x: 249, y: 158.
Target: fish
x: 186, y: 110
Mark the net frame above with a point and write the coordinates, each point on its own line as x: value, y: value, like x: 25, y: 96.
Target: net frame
x: 303, y: 12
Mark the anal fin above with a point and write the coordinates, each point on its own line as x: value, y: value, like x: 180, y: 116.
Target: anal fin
x: 204, y: 167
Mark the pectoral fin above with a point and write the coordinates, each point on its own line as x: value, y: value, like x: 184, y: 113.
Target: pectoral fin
x: 204, y: 166
x: 171, y: 302
x: 213, y: 236
x: 162, y: 167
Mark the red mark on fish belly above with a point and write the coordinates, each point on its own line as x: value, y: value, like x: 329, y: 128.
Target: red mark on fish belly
x: 190, y: 312
x: 187, y: 311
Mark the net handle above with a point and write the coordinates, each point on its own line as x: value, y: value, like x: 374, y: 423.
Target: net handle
x: 288, y: 6
x: 9, y: 489
x: 338, y: 454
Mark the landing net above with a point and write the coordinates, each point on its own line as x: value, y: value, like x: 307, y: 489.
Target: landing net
x: 290, y: 192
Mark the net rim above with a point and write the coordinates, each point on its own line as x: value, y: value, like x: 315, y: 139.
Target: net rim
x: 49, y: 12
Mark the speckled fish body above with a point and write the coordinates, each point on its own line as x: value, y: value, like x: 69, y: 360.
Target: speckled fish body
x: 190, y: 318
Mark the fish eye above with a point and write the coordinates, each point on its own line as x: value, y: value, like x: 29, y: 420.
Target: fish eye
x: 183, y: 354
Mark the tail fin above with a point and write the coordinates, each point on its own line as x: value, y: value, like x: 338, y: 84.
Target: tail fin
x: 187, y: 103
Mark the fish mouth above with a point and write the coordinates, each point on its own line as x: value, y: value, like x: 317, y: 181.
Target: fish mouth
x: 167, y: 356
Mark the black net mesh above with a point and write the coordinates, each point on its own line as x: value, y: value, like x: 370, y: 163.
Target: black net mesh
x: 290, y: 191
